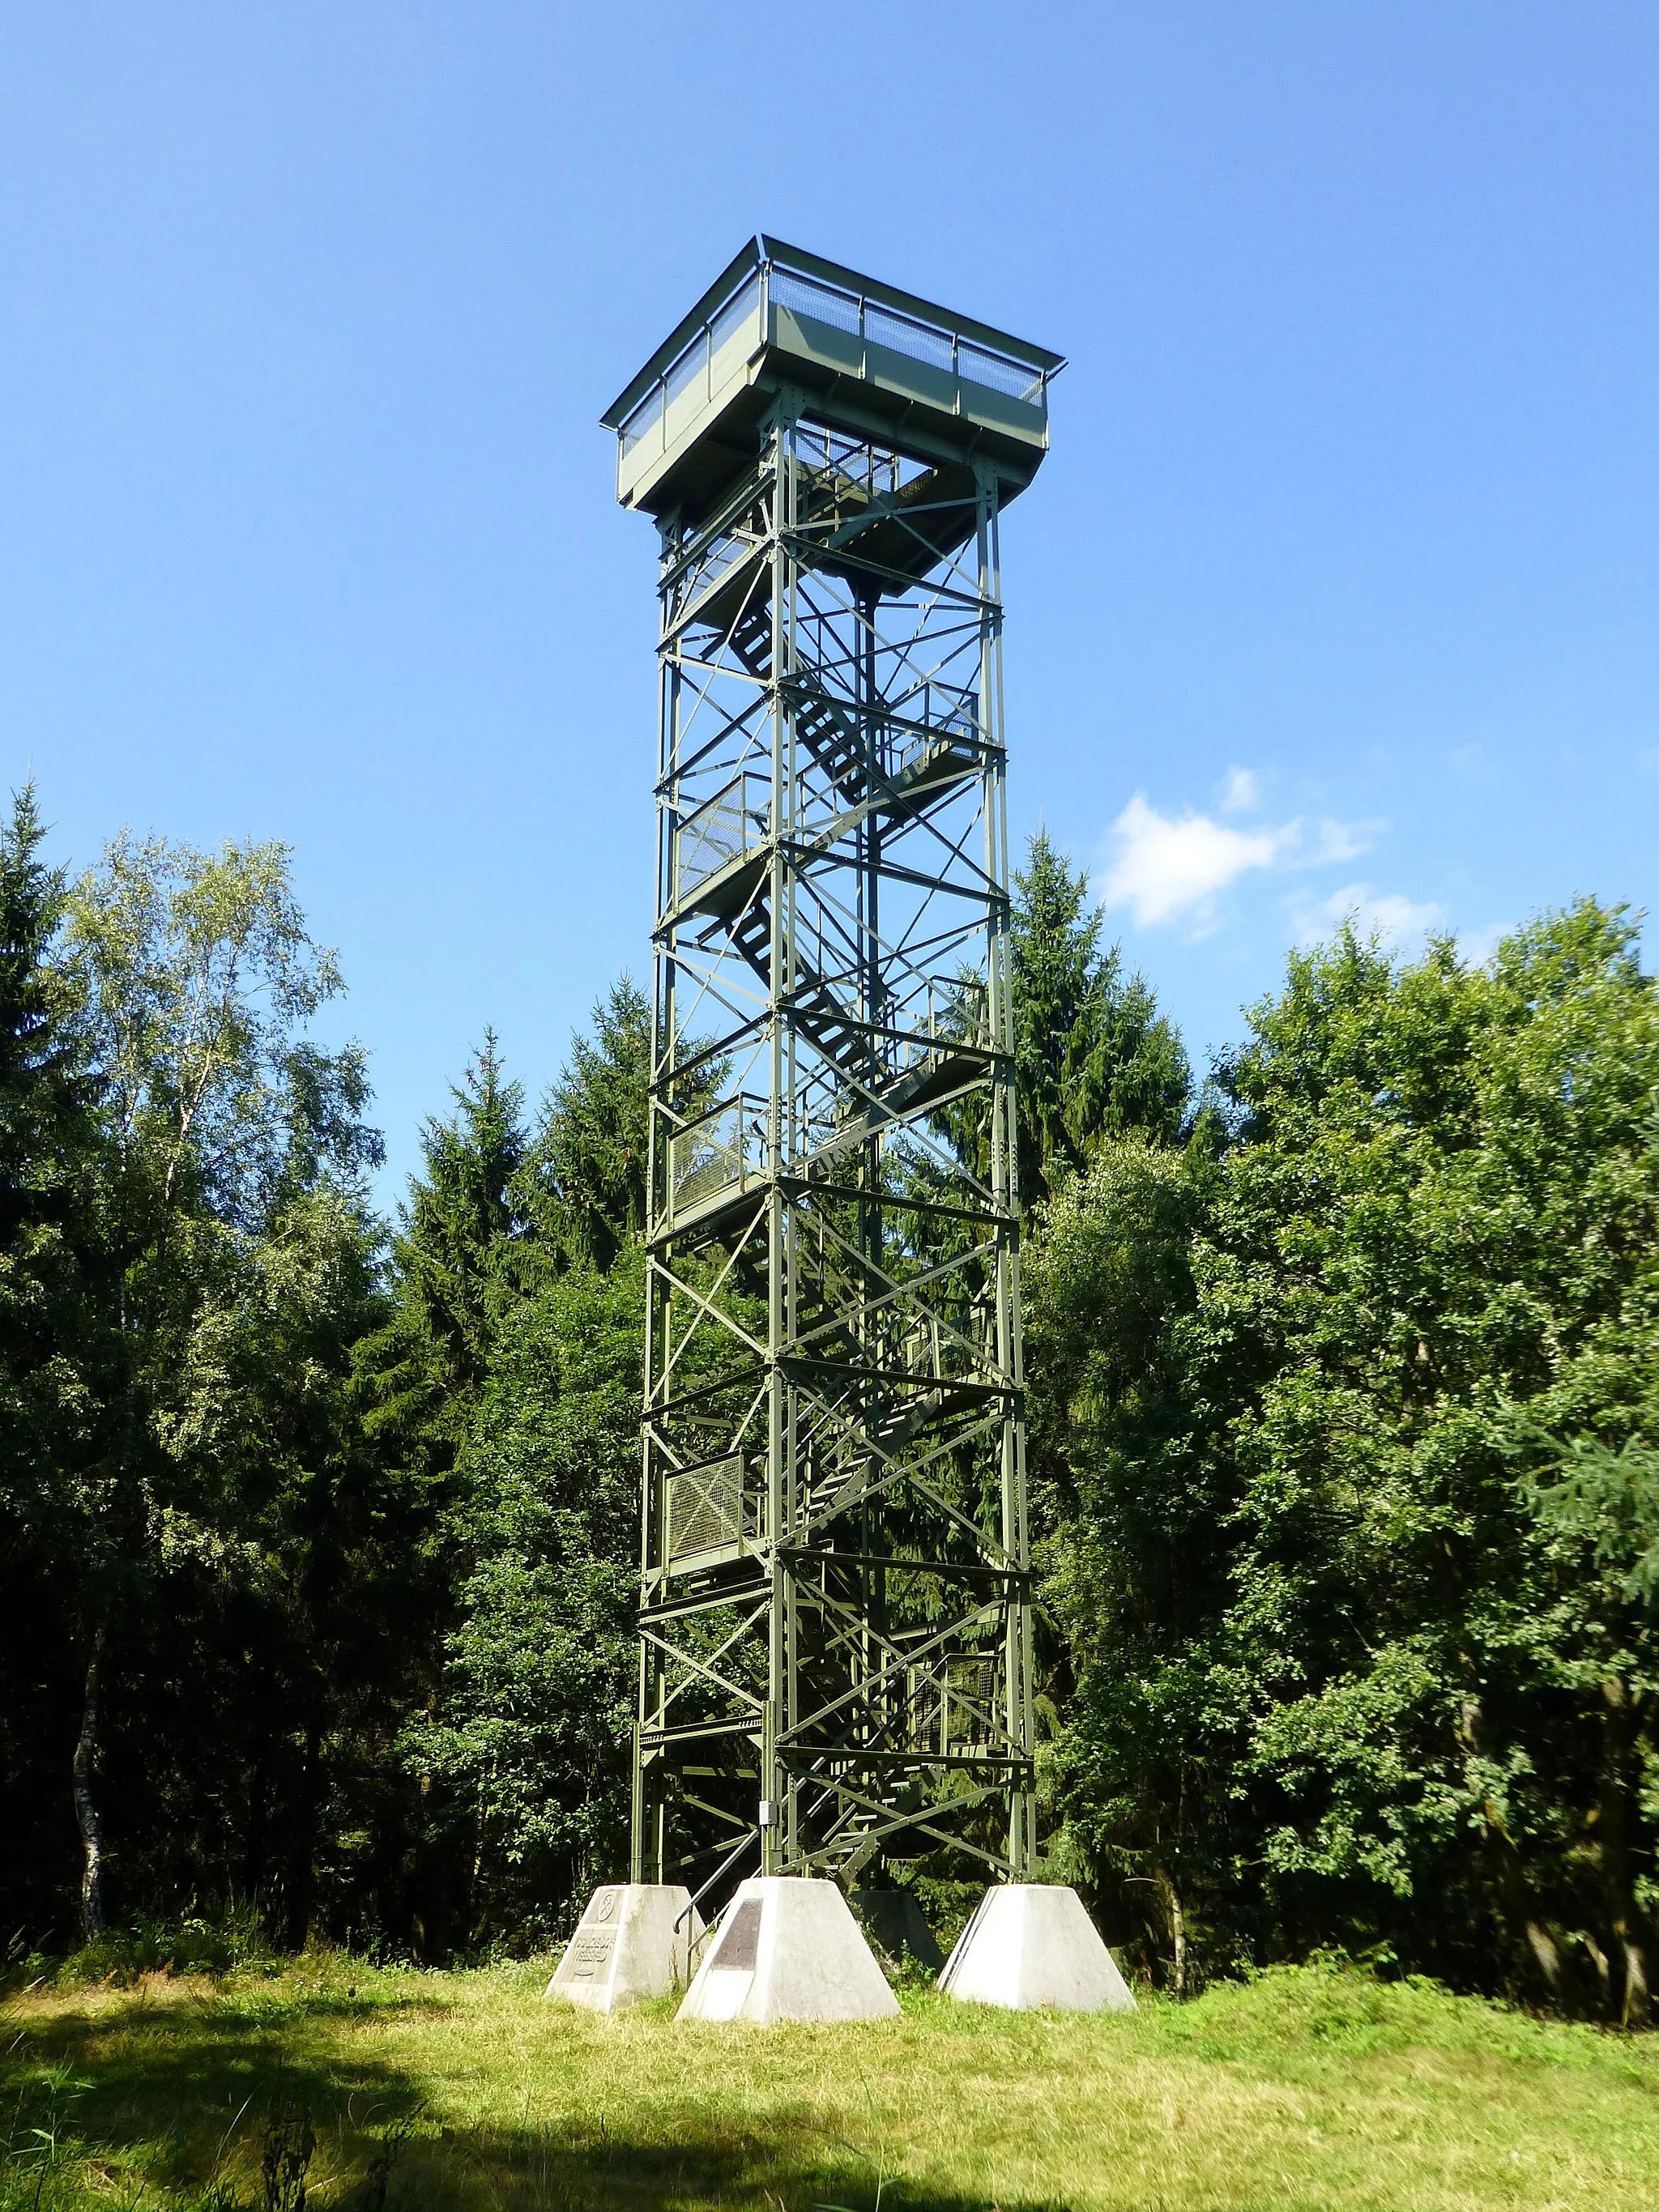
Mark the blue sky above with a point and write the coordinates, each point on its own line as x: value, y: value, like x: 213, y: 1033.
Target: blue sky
x: 1337, y: 592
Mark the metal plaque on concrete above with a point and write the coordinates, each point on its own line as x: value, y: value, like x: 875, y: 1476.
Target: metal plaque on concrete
x: 634, y: 1941
x: 788, y: 1947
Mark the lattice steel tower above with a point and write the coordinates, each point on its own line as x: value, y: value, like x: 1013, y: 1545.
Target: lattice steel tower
x: 836, y: 1663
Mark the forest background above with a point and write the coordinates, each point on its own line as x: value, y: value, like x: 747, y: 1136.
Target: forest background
x: 318, y: 1534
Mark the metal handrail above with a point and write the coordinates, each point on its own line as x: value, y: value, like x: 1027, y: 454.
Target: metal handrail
x: 743, y: 1844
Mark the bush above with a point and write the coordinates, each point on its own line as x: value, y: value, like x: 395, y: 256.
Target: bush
x: 235, y: 1937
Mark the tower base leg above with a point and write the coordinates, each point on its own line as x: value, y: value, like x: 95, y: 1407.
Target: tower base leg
x: 788, y: 1947
x: 636, y: 1940
x: 1029, y: 1945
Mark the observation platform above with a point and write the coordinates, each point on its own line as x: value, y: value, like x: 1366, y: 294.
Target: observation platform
x: 873, y: 361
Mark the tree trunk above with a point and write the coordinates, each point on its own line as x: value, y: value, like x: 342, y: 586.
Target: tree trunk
x: 1637, y: 2007
x: 475, y: 1878
x: 86, y: 1809
x: 1541, y: 1942
x: 1177, y: 1919
x: 1624, y: 1917
x: 253, y: 1859
x: 303, y: 1855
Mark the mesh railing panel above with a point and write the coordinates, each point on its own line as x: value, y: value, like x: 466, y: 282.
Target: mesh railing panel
x: 715, y: 1152
x: 913, y: 339
x: 1012, y: 377
x: 721, y: 829
x: 705, y: 1507
x: 841, y: 310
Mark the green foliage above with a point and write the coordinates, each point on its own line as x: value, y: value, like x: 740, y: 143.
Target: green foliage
x: 586, y: 1176
x: 1131, y: 1575
x: 56, y: 1344
x: 203, y: 1566
x: 526, y: 1737
x: 1093, y: 1057
x: 1408, y: 1697
x: 503, y: 1392
x: 199, y: 977
x: 231, y: 1940
x: 458, y: 1264
x: 532, y: 1731
x: 43, y: 2159
x: 317, y: 1545
x: 1605, y: 1504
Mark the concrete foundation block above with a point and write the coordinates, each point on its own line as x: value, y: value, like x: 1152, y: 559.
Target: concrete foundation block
x: 1031, y: 1945
x: 628, y: 1946
x: 788, y: 1949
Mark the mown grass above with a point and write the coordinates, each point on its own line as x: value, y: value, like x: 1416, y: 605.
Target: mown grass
x: 1306, y: 2088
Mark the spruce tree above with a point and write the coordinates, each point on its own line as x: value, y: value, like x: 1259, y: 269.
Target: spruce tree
x: 57, y: 1352
x: 523, y: 1753
x: 1093, y: 1056
x: 458, y: 1266
x: 195, y: 977
x: 586, y: 1182
x: 48, y: 1151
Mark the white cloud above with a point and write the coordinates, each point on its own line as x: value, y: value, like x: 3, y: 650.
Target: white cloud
x: 1240, y: 792
x: 1335, y: 841
x: 1395, y: 919
x: 1165, y: 867
x: 1166, y: 864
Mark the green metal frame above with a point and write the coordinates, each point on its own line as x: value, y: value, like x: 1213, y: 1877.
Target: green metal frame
x: 836, y: 1660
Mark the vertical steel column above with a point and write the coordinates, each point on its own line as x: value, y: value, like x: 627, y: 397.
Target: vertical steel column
x: 778, y: 1471
x: 1019, y: 1716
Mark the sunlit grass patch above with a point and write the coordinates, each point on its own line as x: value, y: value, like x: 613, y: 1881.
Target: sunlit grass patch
x: 366, y: 2085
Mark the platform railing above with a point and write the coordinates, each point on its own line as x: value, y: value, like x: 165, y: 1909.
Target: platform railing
x: 721, y: 830
x: 719, y: 1150
x: 775, y: 285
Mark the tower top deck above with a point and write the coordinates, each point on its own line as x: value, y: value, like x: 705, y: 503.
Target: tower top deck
x: 871, y: 361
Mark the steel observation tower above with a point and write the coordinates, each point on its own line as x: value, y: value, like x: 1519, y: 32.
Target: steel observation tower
x: 835, y: 1624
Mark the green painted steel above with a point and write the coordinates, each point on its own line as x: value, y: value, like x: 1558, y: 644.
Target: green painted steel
x: 878, y: 357
x: 834, y: 1663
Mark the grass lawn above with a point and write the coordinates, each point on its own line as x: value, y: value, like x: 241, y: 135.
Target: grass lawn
x: 1306, y: 2088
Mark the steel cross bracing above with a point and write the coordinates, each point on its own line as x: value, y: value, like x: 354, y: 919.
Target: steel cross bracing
x: 834, y: 1627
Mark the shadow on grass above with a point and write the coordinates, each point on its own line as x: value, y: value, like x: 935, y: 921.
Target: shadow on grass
x: 192, y: 2105
x: 184, y: 2096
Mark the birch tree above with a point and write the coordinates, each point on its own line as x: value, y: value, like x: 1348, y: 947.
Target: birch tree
x: 195, y: 977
